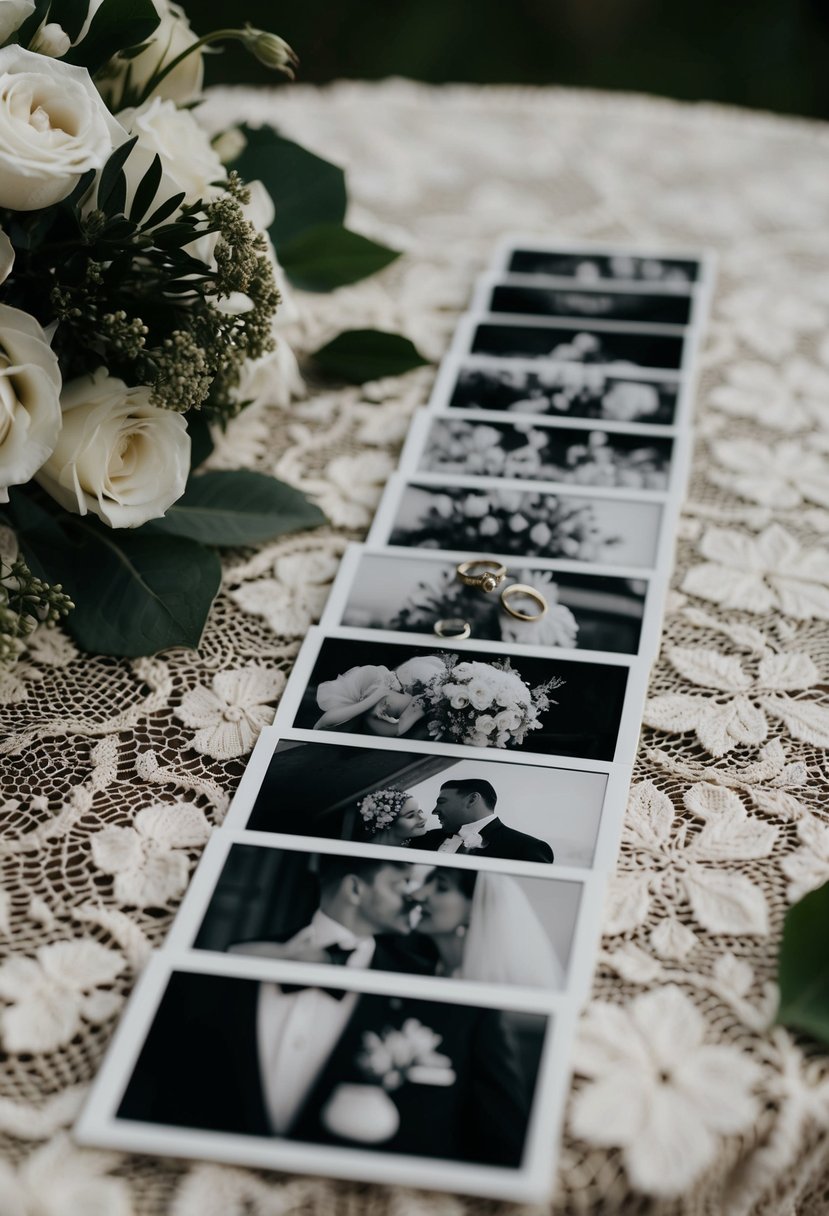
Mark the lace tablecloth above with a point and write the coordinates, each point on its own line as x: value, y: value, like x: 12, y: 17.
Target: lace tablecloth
x: 115, y: 772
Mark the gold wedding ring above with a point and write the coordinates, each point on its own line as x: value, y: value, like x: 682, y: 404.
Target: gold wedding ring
x: 484, y: 573
x: 454, y: 627
x: 523, y: 592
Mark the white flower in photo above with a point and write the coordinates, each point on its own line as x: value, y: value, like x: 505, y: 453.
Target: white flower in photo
x: 722, y: 722
x: 808, y: 867
x: 783, y: 474
x: 58, y: 1179
x: 772, y: 571
x: 49, y: 995
x: 231, y: 714
x: 791, y: 397
x: 149, y: 860
x: 53, y: 128
x: 30, y: 413
x: 771, y: 319
x: 117, y: 455
x: 557, y: 627
x: 658, y: 1090
x: 673, y: 860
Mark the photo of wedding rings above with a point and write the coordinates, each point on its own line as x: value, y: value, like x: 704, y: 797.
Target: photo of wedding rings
x: 384, y: 949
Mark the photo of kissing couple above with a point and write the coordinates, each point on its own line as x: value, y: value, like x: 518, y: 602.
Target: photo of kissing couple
x: 377, y: 914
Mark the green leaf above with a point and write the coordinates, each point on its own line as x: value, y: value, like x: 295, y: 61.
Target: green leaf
x: 146, y: 191
x: 134, y: 593
x: 238, y: 508
x: 117, y: 24
x: 161, y: 213
x: 803, y: 966
x: 329, y: 256
x: 358, y: 355
x: 306, y: 190
x: 113, y: 184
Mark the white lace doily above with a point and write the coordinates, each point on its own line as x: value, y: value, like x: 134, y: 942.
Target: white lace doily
x: 114, y: 772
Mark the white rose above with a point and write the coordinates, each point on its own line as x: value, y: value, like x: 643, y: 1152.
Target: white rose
x: 118, y: 456
x: 272, y: 380
x: 189, y: 162
x: 12, y: 15
x: 171, y: 37
x: 29, y: 398
x: 53, y: 128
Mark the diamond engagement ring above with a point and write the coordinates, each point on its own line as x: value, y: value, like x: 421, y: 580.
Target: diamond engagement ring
x: 484, y: 573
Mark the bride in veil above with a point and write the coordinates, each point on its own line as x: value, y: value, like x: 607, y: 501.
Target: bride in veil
x: 484, y: 928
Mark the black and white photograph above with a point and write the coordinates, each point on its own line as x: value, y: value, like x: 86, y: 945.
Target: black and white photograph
x: 425, y: 915
x: 526, y: 296
x: 588, y: 266
x: 410, y: 592
x: 267, y: 1066
x: 564, y: 390
x: 612, y: 344
x: 326, y: 790
x: 483, y: 447
x: 360, y: 684
x: 584, y: 526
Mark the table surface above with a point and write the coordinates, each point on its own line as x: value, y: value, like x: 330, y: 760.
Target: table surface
x: 685, y: 1100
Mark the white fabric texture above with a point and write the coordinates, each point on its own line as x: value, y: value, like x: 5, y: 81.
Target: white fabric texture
x: 687, y: 1102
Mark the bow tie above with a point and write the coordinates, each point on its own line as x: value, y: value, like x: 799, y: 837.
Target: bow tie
x: 338, y: 955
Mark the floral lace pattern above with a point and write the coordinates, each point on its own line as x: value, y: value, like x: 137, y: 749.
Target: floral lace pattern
x: 686, y: 1099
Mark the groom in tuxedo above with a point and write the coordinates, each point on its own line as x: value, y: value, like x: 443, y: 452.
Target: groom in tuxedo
x: 468, y: 824
x: 267, y: 1058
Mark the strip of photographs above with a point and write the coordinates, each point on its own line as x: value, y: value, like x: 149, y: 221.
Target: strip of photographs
x: 376, y: 971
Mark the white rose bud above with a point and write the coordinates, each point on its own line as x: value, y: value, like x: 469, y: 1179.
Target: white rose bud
x: 118, y: 456
x: 52, y: 40
x: 172, y: 36
x: 12, y: 15
x: 30, y: 416
x: 53, y: 128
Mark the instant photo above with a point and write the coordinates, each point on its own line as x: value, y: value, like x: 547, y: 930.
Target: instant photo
x: 608, y: 458
x: 570, y: 390
x: 476, y: 698
x: 482, y: 515
x: 265, y: 1068
x: 316, y: 789
x: 420, y: 916
x: 393, y: 590
x: 525, y: 298
x: 588, y: 267
x: 617, y: 347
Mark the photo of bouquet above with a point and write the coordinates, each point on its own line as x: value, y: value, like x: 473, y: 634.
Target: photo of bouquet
x: 485, y: 704
x: 520, y: 449
x: 141, y: 307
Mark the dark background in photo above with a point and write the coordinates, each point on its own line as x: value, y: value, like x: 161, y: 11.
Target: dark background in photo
x: 271, y: 894
x: 199, y: 1068
x: 665, y: 308
x: 576, y: 343
x: 592, y: 457
x: 584, y: 723
x: 314, y: 789
x: 586, y: 611
x: 587, y: 268
x: 571, y: 391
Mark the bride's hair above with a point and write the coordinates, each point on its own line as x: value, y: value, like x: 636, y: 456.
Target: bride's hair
x: 380, y: 809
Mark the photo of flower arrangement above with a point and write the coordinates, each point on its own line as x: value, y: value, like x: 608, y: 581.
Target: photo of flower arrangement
x: 530, y: 523
x: 571, y: 390
x: 521, y: 449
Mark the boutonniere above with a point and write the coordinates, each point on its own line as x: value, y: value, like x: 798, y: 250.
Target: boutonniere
x: 474, y: 840
x: 408, y: 1054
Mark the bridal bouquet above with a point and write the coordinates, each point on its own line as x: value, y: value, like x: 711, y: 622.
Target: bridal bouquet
x: 139, y: 312
x: 485, y: 704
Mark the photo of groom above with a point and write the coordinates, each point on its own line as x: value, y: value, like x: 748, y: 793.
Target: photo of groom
x: 336, y: 1066
x: 469, y: 824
